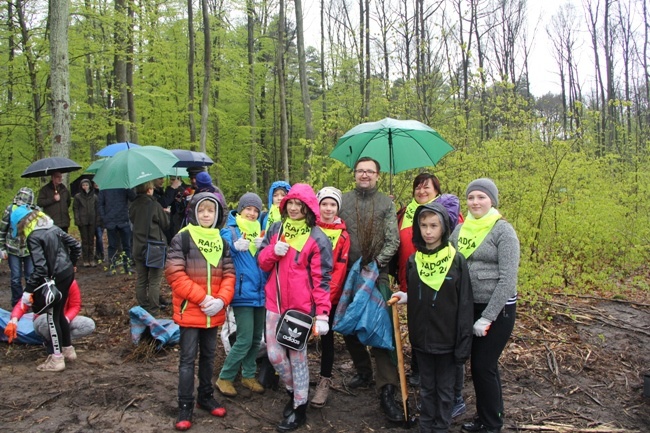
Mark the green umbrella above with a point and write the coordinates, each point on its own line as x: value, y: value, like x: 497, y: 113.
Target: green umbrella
x: 135, y: 166
x: 397, y: 145
x: 96, y: 165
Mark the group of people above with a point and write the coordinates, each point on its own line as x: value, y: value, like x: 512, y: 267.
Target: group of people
x: 457, y: 276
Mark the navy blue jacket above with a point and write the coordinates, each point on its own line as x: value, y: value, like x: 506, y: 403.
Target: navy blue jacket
x: 114, y: 207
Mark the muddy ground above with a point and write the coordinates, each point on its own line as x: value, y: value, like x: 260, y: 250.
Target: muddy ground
x: 574, y: 364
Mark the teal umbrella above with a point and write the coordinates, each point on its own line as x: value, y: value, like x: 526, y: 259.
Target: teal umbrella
x: 96, y: 165
x: 135, y: 166
x: 397, y: 145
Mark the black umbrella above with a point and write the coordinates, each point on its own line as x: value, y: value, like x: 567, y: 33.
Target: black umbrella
x: 189, y: 158
x: 47, y: 166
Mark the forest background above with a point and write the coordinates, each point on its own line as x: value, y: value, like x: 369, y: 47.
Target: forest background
x: 233, y: 78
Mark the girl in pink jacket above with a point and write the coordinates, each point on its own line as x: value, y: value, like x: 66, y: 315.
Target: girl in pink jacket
x: 298, y: 255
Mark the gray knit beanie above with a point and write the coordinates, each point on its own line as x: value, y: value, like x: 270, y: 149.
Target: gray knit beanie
x: 249, y: 199
x: 330, y: 192
x: 486, y: 186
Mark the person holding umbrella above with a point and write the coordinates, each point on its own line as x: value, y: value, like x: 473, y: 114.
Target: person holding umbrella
x: 54, y: 198
x: 491, y: 247
x: 371, y: 221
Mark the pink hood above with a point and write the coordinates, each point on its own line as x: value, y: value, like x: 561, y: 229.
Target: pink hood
x: 305, y: 194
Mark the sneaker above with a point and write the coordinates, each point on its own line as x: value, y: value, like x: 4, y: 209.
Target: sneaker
x: 252, y: 384
x: 459, y: 407
x: 93, y: 263
x: 322, y: 390
x: 52, y: 363
x: 184, y: 420
x: 226, y: 387
x: 69, y: 353
x: 208, y: 402
x: 86, y: 264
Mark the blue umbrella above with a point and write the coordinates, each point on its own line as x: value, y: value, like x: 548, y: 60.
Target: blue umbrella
x: 112, y: 149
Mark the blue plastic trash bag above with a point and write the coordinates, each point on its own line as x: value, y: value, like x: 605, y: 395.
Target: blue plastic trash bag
x: 362, y: 309
x: 164, y: 331
x: 25, y: 330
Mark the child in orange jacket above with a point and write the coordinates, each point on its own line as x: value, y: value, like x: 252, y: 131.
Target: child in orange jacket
x: 201, y: 274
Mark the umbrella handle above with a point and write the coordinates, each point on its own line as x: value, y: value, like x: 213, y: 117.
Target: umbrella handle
x: 400, y: 357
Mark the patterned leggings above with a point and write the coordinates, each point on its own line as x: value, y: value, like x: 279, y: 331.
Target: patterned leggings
x: 291, y: 365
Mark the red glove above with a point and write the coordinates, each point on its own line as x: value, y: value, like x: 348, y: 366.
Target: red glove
x: 11, y: 331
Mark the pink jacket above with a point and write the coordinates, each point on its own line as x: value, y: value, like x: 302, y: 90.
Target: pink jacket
x: 305, y: 275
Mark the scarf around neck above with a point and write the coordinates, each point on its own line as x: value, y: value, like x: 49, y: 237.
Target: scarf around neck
x: 473, y: 231
x: 209, y: 242
x: 295, y: 233
x: 273, y: 216
x: 249, y: 230
x: 409, y: 213
x: 432, y: 268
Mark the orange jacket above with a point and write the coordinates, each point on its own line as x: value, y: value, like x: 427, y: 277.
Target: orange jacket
x: 188, y: 278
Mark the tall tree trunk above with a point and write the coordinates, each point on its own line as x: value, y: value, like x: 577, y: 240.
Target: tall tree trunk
x: 322, y: 59
x: 362, y: 75
x: 250, y: 11
x: 30, y: 59
x: 207, y: 71
x: 284, y: 124
x: 119, y: 73
x: 133, y: 121
x: 12, y: 51
x: 190, y: 73
x: 304, y: 91
x: 60, y: 79
x: 366, y: 96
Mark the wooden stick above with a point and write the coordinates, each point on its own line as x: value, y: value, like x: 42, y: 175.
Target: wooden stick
x: 400, y: 357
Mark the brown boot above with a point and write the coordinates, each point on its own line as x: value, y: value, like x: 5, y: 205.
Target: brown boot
x: 322, y: 390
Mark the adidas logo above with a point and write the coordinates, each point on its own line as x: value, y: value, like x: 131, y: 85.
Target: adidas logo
x: 294, y: 333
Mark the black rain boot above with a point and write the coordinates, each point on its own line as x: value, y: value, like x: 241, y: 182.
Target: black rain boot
x: 296, y: 418
x: 208, y: 402
x: 184, y: 420
x: 288, y: 408
x: 388, y: 404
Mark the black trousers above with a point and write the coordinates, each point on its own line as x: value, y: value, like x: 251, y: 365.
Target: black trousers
x: 485, y: 365
x: 195, y: 341
x: 437, y: 378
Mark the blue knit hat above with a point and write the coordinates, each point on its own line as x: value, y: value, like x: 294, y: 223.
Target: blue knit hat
x: 16, y: 216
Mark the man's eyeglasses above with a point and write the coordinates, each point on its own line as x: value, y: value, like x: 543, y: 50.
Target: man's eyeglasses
x: 365, y: 172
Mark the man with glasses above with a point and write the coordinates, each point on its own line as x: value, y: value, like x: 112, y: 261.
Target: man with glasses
x: 372, y: 225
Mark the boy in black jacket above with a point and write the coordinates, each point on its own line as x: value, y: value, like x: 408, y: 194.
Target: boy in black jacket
x: 440, y: 313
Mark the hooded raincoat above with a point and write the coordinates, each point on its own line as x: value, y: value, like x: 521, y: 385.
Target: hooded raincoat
x: 191, y: 277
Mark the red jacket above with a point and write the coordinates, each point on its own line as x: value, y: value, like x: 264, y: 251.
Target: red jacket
x: 339, y: 259
x: 71, y: 308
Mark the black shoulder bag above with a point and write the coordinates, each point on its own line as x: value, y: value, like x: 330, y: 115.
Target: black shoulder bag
x: 294, y: 327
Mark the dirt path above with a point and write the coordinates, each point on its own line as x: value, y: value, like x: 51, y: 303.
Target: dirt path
x: 579, y: 369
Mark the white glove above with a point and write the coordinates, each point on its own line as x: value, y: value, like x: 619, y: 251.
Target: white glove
x: 28, y: 299
x: 481, y: 327
x: 3, y: 255
x: 322, y: 325
x: 402, y: 297
x: 205, y: 300
x: 212, y: 307
x: 242, y: 244
x: 281, y: 249
x: 258, y: 242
